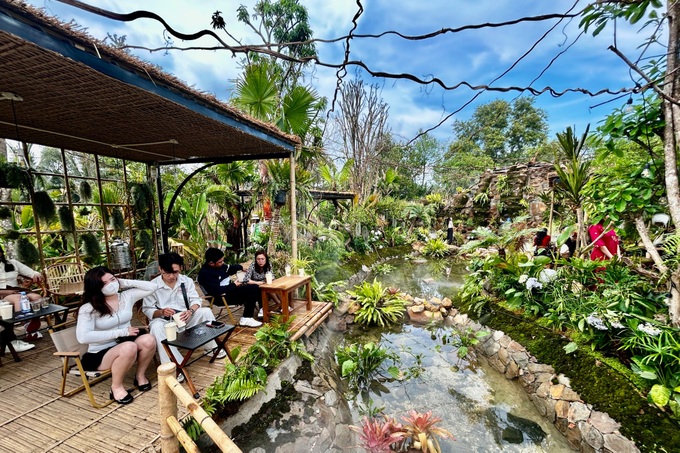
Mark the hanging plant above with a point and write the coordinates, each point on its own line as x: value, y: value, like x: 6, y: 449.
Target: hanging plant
x: 145, y: 242
x: 92, y: 251
x: 11, y: 235
x: 43, y: 207
x: 5, y: 212
x: 140, y: 197
x: 15, y: 177
x: 117, y: 220
x: 66, y: 219
x: 27, y: 252
x: 85, y: 191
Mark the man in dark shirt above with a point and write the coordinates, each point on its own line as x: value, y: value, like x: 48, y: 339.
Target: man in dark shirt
x: 214, y: 278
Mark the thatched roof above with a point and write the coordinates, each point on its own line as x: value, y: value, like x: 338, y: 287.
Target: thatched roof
x: 78, y: 93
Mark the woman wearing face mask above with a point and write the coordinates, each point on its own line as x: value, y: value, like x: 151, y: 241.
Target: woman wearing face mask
x: 104, y: 325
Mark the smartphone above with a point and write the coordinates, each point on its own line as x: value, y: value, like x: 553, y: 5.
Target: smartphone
x: 215, y: 324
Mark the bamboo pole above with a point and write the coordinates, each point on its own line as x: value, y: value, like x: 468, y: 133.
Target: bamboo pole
x: 310, y: 322
x: 168, y: 406
x: 293, y: 209
x: 188, y: 444
x: 207, y: 423
x: 318, y: 323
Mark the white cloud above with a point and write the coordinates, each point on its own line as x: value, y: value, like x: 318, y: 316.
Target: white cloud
x: 476, y: 56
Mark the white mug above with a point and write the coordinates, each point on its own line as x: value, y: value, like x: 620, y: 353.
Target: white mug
x: 171, y: 331
x: 178, y: 320
x: 269, y: 278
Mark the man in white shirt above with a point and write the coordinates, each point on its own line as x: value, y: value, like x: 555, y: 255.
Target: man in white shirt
x: 169, y: 299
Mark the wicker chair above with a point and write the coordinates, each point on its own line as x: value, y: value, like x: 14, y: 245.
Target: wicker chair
x: 65, y: 282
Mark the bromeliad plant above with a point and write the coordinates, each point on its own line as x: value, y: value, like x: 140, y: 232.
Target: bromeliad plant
x: 377, y: 304
x: 416, y: 432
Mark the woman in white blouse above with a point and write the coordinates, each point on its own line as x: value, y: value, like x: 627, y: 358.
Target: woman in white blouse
x: 104, y: 325
x: 10, y: 289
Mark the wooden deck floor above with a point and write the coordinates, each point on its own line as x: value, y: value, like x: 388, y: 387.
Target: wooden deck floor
x: 34, y: 418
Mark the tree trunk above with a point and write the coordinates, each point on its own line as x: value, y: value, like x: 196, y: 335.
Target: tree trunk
x: 672, y: 129
x: 649, y: 245
x: 274, y: 230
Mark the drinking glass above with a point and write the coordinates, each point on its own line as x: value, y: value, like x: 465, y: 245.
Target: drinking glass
x: 46, y: 301
x: 36, y: 305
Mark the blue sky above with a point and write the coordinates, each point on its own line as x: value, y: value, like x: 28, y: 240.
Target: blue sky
x: 475, y: 56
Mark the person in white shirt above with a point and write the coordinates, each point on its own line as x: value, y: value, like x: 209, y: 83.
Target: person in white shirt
x: 11, y: 292
x: 104, y: 325
x: 169, y: 299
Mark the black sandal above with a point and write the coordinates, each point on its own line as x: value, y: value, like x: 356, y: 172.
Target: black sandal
x: 127, y: 399
x: 142, y: 388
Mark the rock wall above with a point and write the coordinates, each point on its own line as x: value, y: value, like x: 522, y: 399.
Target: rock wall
x: 504, y: 190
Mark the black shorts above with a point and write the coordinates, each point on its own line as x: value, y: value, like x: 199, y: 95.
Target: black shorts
x: 92, y: 360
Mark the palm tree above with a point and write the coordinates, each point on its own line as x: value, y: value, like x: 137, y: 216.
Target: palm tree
x: 575, y: 174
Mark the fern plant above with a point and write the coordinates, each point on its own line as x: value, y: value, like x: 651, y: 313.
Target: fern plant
x: 377, y: 304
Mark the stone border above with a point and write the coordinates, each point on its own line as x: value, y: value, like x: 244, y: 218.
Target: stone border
x: 586, y: 429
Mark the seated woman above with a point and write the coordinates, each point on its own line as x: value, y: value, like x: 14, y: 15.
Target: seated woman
x: 11, y: 291
x: 104, y: 325
x: 257, y: 271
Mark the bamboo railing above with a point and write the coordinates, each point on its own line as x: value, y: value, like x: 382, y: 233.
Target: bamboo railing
x: 172, y: 433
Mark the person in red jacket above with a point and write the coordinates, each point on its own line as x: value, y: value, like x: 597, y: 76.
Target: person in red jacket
x: 607, y: 246
x: 542, y: 243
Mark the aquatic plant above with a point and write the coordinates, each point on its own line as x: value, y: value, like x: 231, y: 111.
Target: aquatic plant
x: 383, y: 269
x: 422, y: 432
x: 361, y: 364
x: 377, y: 305
x: 379, y: 436
x: 436, y: 248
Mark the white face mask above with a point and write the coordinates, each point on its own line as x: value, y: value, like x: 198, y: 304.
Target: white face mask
x: 111, y: 288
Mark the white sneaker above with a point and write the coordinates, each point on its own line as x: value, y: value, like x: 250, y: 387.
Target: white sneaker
x: 180, y: 377
x: 249, y: 322
x: 260, y: 314
x: 20, y: 346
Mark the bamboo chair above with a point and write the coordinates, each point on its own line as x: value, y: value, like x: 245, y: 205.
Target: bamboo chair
x: 65, y: 281
x: 211, y: 301
x: 70, y: 351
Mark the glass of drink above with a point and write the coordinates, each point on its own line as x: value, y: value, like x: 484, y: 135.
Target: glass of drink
x: 36, y: 305
x: 46, y: 301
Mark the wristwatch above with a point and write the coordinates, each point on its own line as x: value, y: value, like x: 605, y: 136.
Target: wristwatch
x: 192, y: 310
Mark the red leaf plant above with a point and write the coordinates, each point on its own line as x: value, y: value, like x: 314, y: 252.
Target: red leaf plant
x: 378, y: 436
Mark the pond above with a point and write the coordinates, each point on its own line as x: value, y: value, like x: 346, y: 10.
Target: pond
x: 484, y: 411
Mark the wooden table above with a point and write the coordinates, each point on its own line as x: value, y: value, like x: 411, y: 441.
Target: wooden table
x: 283, y: 288
x: 192, y: 339
x: 7, y: 336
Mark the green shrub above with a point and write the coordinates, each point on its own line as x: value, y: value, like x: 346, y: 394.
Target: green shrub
x: 436, y: 248
x: 377, y: 304
x: 360, y: 364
